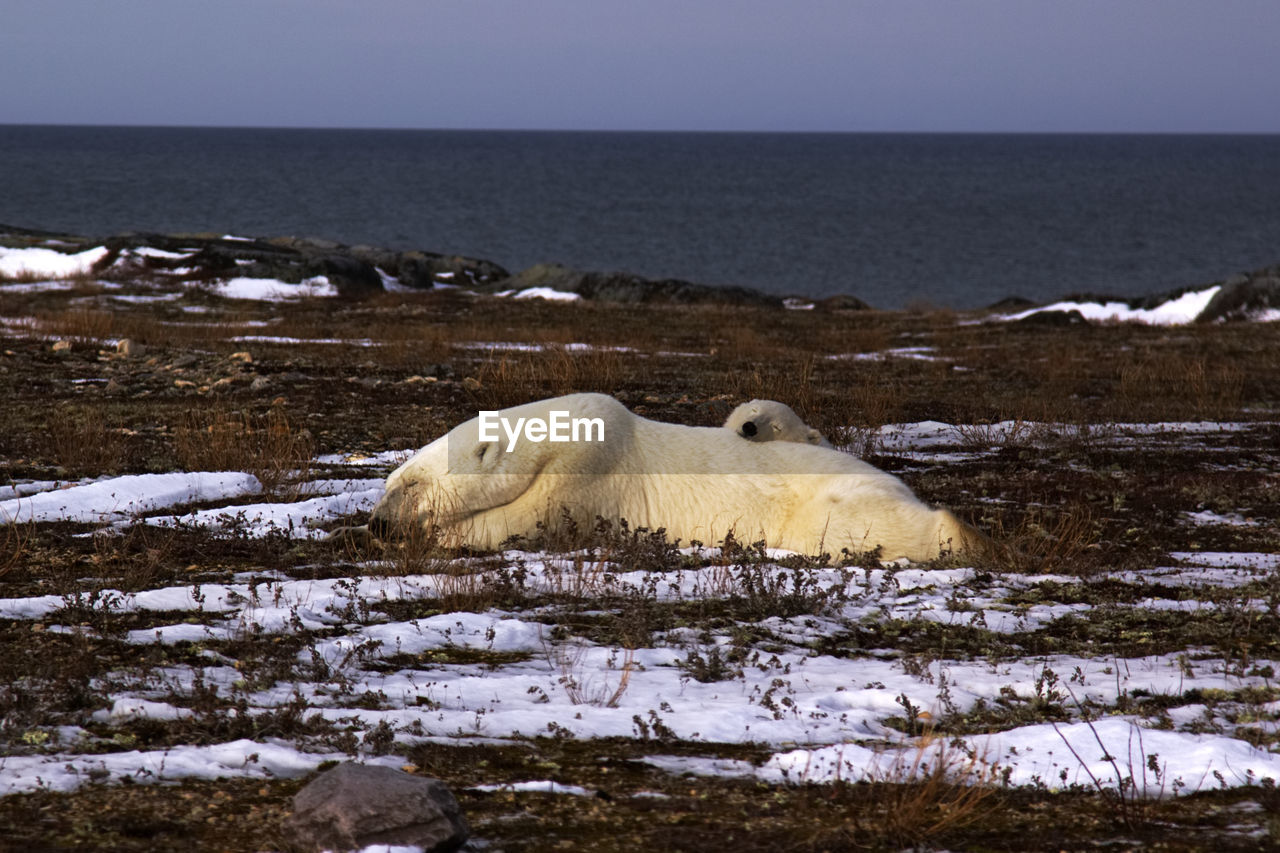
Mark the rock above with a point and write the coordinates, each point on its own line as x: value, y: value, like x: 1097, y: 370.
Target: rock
x: 842, y: 302
x: 230, y: 383
x: 625, y: 287
x: 1244, y: 297
x: 242, y: 357
x: 354, y: 806
x: 426, y: 270
x: 1054, y: 318
x: 260, y: 384
x: 129, y: 348
x: 471, y: 383
x: 440, y: 370
x: 1011, y: 304
x: 61, y: 347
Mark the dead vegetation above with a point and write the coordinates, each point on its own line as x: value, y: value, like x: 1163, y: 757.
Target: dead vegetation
x: 1039, y: 409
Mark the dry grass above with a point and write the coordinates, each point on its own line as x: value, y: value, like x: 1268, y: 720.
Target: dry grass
x: 268, y: 446
x: 584, y: 689
x: 14, y: 537
x: 934, y: 790
x: 83, y: 444
x: 1095, y: 495
x: 925, y: 795
x: 511, y: 378
x: 1045, y: 541
x: 1209, y: 389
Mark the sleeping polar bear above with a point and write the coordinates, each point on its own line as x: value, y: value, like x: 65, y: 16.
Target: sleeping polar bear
x: 485, y: 481
x: 769, y: 420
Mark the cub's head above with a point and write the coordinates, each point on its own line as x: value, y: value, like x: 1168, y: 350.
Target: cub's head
x: 769, y: 420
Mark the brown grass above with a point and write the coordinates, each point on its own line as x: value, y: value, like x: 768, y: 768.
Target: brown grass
x: 580, y: 687
x: 1207, y: 389
x: 14, y: 537
x: 268, y: 446
x: 923, y: 796
x: 511, y: 378
x: 83, y: 444
x: 1045, y: 540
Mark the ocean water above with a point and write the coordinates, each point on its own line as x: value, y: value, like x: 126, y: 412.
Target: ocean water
x: 956, y: 220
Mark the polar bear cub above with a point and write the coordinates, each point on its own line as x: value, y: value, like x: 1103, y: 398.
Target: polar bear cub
x: 483, y: 484
x: 769, y: 420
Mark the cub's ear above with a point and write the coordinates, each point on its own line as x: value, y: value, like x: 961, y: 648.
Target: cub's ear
x: 814, y: 437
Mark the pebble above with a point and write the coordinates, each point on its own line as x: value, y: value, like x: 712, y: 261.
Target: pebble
x: 130, y: 348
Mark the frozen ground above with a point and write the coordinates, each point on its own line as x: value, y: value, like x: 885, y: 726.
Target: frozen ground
x: 369, y: 666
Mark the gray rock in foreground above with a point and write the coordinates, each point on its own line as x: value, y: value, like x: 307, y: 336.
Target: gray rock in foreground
x: 353, y: 806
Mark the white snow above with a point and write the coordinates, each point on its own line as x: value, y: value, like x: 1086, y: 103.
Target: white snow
x: 387, y: 458
x: 301, y: 519
x: 543, y: 786
x: 287, y: 341
x: 242, y: 758
x: 1104, y: 753
x: 149, y: 252
x: 1175, y: 312
x: 913, y: 353
x: 48, y: 263
x: 124, y: 497
x: 824, y: 715
x: 547, y: 293
x: 271, y: 290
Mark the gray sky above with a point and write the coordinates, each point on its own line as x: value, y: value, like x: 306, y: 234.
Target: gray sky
x: 844, y: 65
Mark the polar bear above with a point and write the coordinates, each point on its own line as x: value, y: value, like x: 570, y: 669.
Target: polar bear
x: 769, y: 420
x: 501, y: 473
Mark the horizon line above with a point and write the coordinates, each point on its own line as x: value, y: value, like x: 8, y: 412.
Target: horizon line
x: 684, y: 131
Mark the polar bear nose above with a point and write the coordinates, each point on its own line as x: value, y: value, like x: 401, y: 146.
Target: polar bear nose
x: 749, y: 428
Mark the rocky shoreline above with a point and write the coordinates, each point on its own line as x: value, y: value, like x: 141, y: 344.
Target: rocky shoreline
x: 361, y: 271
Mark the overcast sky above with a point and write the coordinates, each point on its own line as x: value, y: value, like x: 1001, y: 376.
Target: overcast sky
x: 842, y: 65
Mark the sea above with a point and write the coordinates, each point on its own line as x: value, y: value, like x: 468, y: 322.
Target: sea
x: 897, y: 220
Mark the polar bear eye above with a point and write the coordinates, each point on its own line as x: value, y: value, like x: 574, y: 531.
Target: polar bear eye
x: 481, y: 450
x: 749, y: 428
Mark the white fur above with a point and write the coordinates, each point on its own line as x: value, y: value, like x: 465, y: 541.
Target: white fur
x: 697, y: 482
x: 772, y: 421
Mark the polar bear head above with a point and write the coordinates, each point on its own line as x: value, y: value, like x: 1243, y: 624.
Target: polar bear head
x: 500, y: 458
x: 769, y: 420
